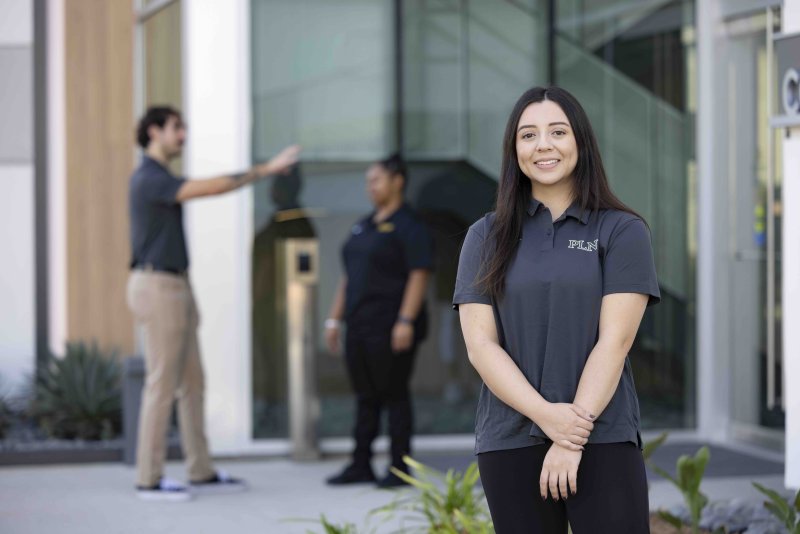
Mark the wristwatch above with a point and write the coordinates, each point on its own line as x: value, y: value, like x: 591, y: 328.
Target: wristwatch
x: 332, y: 323
x: 405, y: 320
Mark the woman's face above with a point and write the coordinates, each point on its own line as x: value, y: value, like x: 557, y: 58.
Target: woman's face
x: 546, y: 149
x: 382, y: 187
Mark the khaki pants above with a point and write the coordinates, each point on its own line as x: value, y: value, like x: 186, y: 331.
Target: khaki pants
x: 167, y: 319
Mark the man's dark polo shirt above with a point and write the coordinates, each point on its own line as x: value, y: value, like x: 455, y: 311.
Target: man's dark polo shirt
x: 156, y: 218
x: 378, y: 259
x: 548, y: 319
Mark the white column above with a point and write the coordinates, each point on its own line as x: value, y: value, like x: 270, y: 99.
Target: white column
x: 56, y: 178
x: 217, y: 107
x: 791, y: 276
x: 712, y: 387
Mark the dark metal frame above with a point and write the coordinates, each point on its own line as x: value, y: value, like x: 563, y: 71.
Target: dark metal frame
x: 41, y: 214
x: 398, y: 75
x: 551, y: 41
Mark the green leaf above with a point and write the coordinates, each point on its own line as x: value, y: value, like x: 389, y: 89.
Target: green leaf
x: 651, y: 446
x: 776, y: 510
x: 671, y: 519
x: 411, y: 480
x: 665, y: 475
x: 701, y: 461
x: 776, y: 504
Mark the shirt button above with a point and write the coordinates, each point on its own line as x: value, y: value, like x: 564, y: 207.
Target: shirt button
x: 549, y: 232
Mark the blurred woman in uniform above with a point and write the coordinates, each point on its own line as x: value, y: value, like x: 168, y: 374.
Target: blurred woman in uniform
x: 387, y: 261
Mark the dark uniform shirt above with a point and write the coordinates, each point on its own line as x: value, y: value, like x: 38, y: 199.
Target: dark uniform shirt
x: 378, y: 259
x: 548, y: 319
x: 157, y: 237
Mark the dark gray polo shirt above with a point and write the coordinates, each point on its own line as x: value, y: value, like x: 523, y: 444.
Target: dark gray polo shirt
x: 157, y: 235
x: 548, y: 319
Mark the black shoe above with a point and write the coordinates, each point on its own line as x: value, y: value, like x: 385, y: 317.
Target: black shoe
x: 221, y: 482
x: 352, y: 474
x: 391, y: 481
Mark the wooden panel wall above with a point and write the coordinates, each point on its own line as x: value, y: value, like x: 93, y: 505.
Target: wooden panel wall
x: 100, y: 157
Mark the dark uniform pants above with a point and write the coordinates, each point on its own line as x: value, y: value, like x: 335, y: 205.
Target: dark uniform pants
x: 380, y: 379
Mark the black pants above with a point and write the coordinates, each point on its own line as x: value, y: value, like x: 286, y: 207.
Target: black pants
x: 612, y: 492
x: 380, y: 380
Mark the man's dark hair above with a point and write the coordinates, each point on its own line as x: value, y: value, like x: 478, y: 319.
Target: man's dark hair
x: 395, y: 165
x: 155, y: 115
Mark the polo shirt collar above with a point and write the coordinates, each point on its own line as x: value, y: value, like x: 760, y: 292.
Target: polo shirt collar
x: 403, y: 207
x: 150, y: 161
x: 533, y: 205
x: 574, y: 210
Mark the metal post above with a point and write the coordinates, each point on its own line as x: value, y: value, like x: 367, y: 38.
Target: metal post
x: 133, y: 371
x: 771, y: 359
x: 299, y: 263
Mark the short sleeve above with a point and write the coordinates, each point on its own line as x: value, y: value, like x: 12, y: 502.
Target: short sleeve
x: 470, y: 262
x: 162, y: 188
x: 628, y: 265
x: 417, y: 247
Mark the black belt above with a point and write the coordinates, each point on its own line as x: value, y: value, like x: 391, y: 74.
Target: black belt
x: 156, y: 268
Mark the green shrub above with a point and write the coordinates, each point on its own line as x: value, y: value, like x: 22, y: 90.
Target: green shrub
x: 689, y: 475
x: 651, y: 446
x: 331, y: 528
x: 79, y: 396
x: 443, y: 503
x: 787, y: 512
x: 5, y: 416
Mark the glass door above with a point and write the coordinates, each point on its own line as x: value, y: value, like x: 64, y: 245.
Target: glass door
x: 754, y: 242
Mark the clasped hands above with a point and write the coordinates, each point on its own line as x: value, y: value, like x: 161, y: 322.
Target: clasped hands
x: 568, y: 426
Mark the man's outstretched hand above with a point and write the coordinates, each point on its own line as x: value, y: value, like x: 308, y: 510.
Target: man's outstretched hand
x: 281, y: 163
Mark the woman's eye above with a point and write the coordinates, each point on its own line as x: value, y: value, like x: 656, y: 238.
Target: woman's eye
x: 528, y: 135
x: 559, y: 133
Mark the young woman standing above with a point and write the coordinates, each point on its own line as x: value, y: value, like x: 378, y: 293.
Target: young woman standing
x: 551, y: 289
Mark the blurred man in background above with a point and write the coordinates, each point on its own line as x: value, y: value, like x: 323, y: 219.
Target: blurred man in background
x: 161, y: 299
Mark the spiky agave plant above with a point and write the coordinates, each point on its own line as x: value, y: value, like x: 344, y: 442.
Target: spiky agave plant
x: 5, y: 414
x: 78, y: 396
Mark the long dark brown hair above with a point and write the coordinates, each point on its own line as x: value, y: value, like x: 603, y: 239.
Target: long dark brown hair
x: 514, y: 192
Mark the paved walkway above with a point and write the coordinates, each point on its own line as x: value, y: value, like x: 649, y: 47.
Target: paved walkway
x: 99, y: 497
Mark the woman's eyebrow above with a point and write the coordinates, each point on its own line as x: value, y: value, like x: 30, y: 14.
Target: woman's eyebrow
x: 534, y: 126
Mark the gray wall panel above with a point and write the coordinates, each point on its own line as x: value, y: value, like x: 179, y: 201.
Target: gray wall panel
x: 16, y: 104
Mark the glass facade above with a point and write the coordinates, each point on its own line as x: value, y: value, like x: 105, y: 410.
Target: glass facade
x: 629, y: 65
x: 354, y: 80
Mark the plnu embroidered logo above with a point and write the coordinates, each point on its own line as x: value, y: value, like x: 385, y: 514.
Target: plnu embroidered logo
x: 588, y: 246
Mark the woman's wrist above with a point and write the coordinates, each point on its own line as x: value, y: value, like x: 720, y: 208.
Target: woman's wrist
x: 537, y: 409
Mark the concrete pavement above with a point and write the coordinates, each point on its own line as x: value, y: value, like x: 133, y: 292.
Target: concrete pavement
x: 99, y: 498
